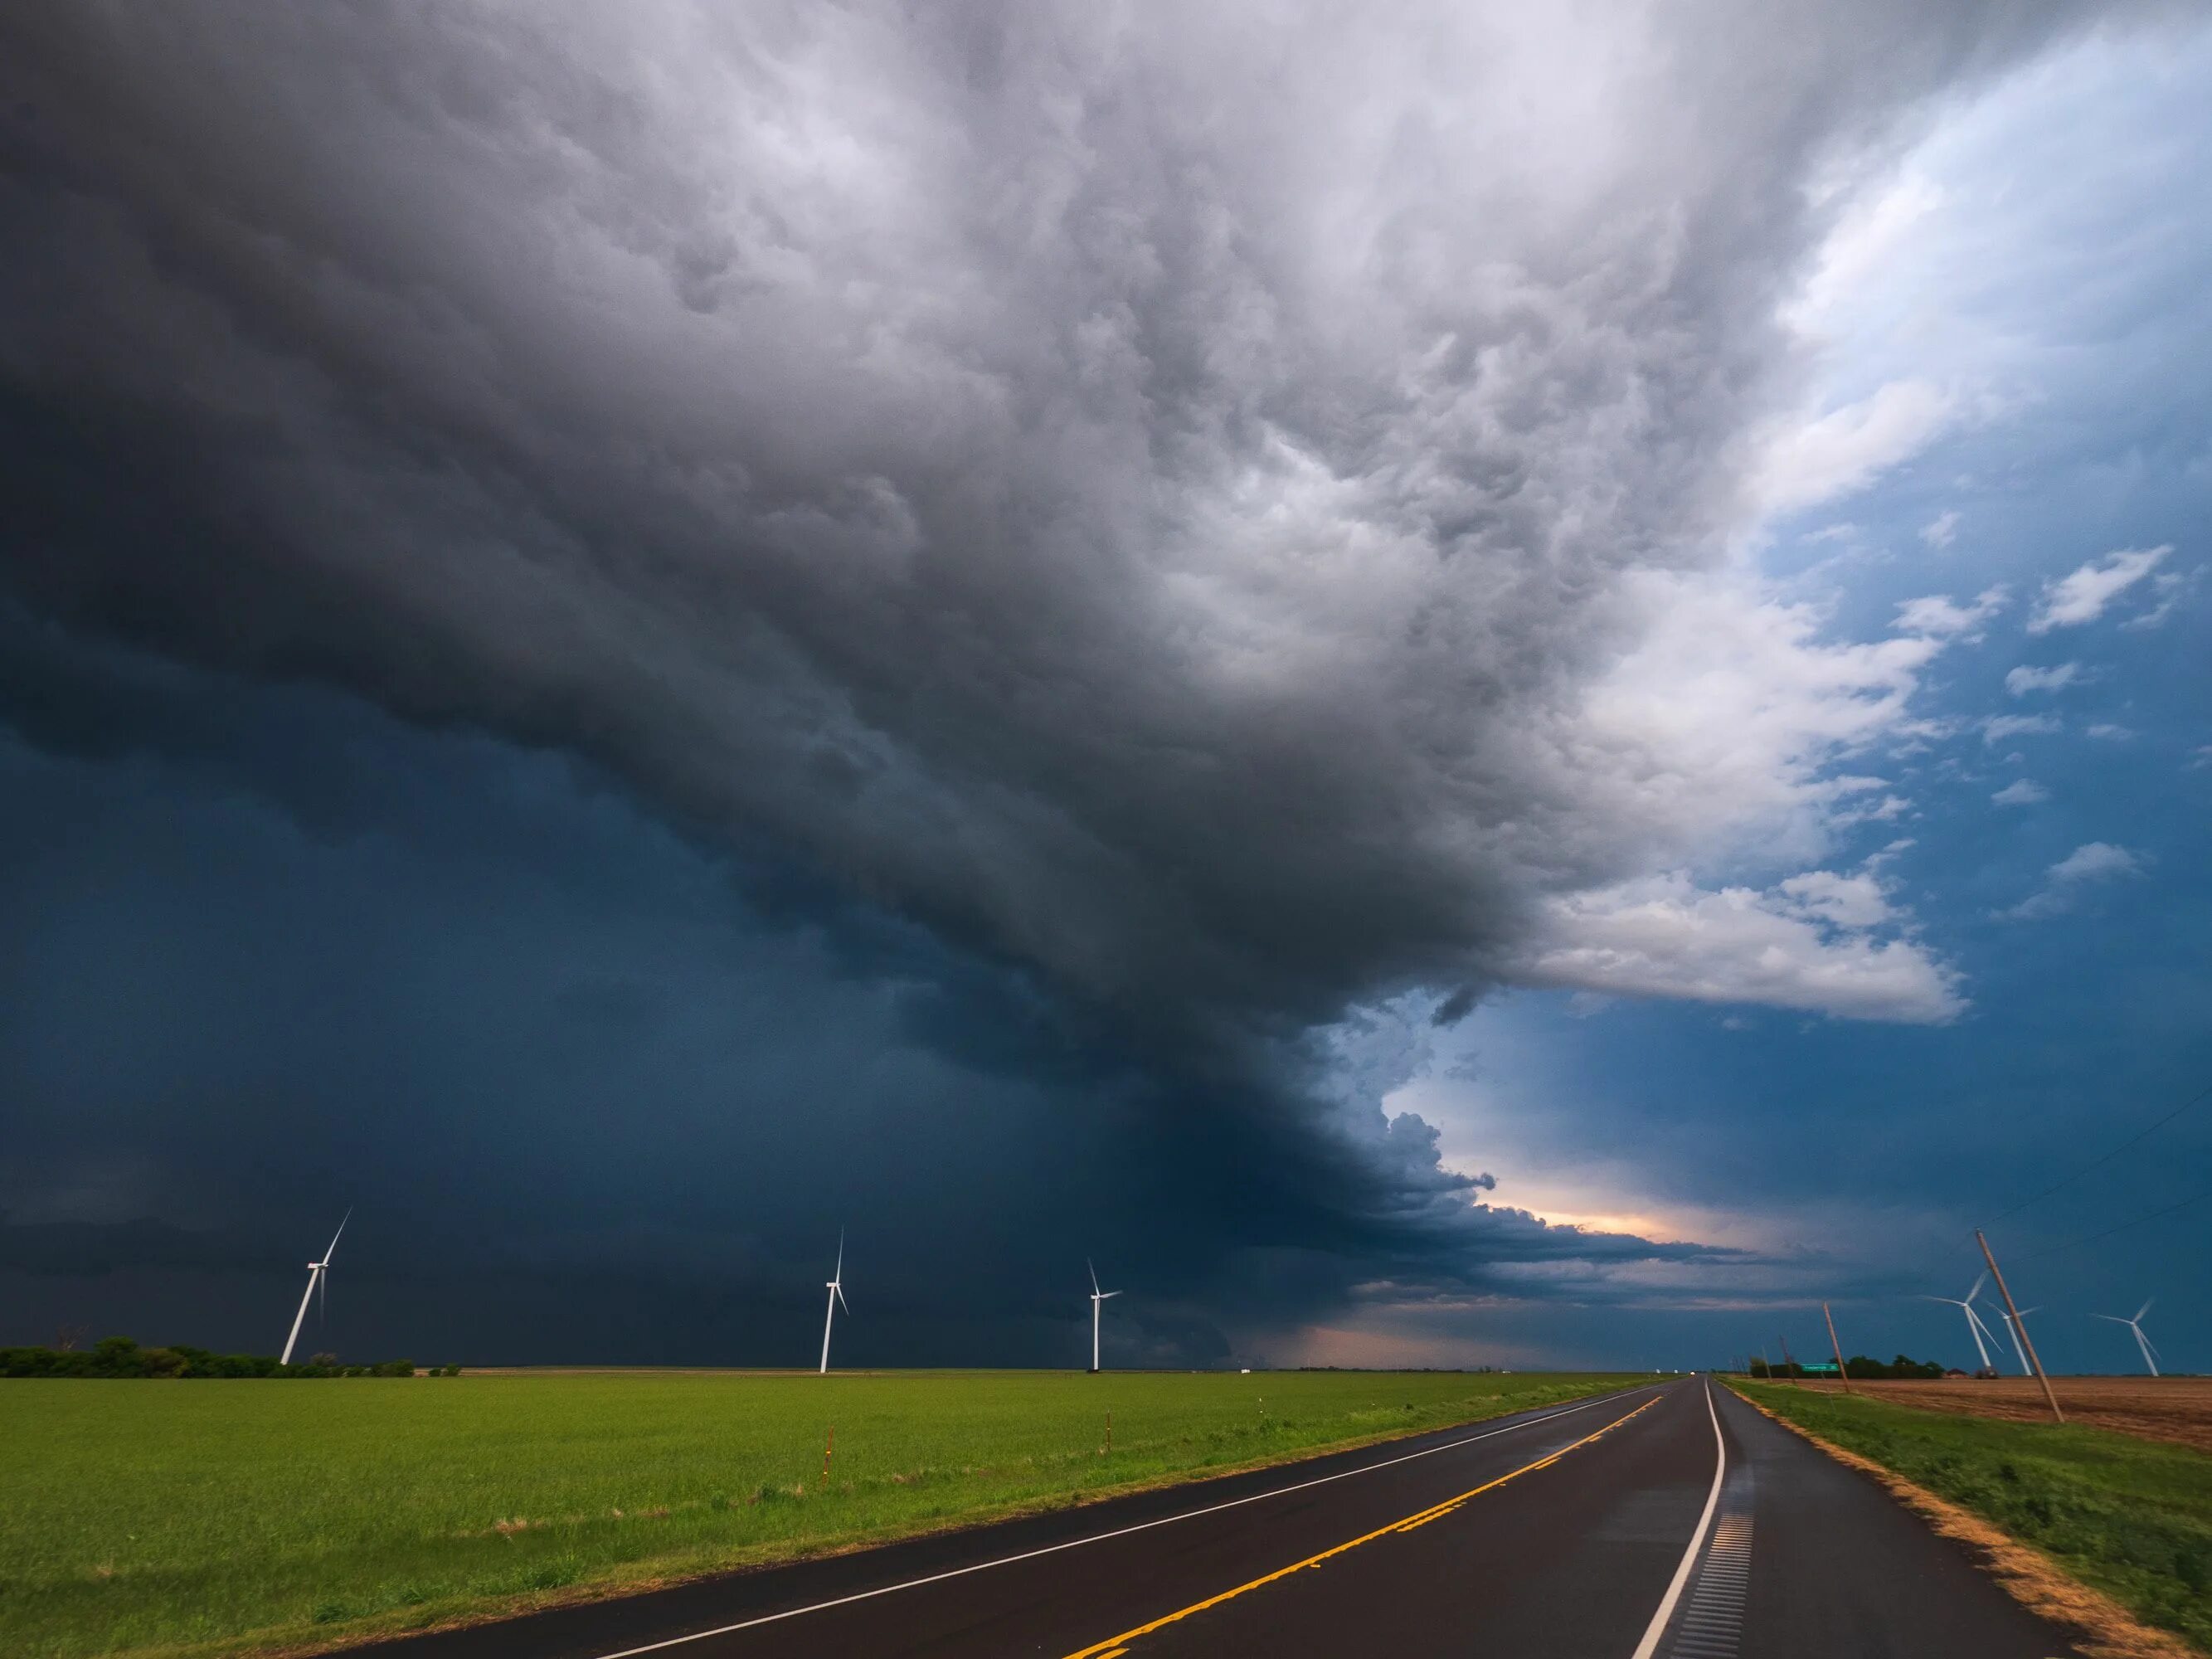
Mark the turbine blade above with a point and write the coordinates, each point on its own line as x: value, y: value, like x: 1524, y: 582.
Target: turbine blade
x: 840, y: 1274
x: 1977, y: 1290
x: 841, y: 1302
x: 323, y: 1296
x: 1107, y: 1296
x: 2115, y: 1318
x: 2140, y: 1311
x: 1094, y: 1275
x: 335, y: 1236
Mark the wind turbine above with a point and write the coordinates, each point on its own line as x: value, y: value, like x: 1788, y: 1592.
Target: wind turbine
x: 316, y: 1270
x: 1974, y: 1326
x: 2013, y: 1324
x: 1098, y: 1297
x: 837, y: 1300
x: 2150, y: 1353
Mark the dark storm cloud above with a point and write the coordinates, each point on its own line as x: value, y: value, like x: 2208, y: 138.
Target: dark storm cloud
x: 271, y: 953
x: 1125, y: 505
x: 1121, y: 492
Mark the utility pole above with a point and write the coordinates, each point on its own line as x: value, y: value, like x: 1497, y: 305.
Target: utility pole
x: 1788, y: 1366
x: 2018, y: 1328
x: 1841, y: 1376
x: 1767, y: 1363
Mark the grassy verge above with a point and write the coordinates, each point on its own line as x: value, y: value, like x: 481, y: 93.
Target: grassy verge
x: 223, y: 1517
x: 2131, y: 1517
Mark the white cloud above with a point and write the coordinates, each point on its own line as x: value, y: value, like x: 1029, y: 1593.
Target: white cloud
x: 1718, y: 736
x: 1997, y: 727
x: 1724, y: 736
x: 1941, y: 531
x: 1886, y: 810
x: 1851, y: 902
x: 1821, y: 941
x: 2169, y: 585
x: 2095, y: 861
x: 2105, y: 731
x: 1937, y: 614
x: 2022, y: 680
x: 1838, y: 452
x: 2083, y: 595
x: 2021, y: 791
x: 2200, y: 758
x: 1857, y: 249
x: 2088, y: 864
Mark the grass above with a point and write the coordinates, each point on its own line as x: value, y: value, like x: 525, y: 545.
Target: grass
x: 2129, y: 1517
x: 222, y: 1517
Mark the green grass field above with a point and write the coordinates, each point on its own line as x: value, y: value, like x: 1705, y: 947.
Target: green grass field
x: 2131, y: 1517
x: 228, y: 1517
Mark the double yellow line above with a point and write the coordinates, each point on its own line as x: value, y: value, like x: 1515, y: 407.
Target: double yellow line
x: 1113, y: 1646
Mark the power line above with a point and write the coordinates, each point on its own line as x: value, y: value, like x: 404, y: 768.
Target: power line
x: 2202, y: 1094
x: 2056, y: 1248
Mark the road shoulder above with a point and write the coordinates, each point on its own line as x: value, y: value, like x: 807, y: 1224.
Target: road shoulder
x: 2107, y: 1630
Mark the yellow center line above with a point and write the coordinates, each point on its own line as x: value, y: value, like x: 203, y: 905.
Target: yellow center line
x: 1113, y: 1645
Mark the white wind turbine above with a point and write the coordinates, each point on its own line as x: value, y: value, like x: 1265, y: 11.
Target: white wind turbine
x: 2013, y: 1326
x: 837, y: 1300
x: 1974, y: 1326
x: 1098, y: 1297
x: 2150, y: 1353
x: 316, y: 1272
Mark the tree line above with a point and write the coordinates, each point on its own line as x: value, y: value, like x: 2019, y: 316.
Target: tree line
x: 1901, y: 1368
x: 121, y: 1357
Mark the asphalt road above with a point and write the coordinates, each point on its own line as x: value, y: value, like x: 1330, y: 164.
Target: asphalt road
x: 1668, y: 1523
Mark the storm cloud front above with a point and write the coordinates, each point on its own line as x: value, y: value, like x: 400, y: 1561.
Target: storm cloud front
x: 630, y: 634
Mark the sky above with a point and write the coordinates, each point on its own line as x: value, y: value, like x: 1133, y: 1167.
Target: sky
x: 1525, y: 686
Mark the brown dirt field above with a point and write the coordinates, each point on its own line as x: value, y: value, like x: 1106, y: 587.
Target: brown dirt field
x: 2173, y: 1408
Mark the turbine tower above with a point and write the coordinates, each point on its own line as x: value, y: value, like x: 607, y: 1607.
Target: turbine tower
x: 837, y: 1300
x: 316, y: 1272
x: 2150, y: 1353
x: 1974, y: 1326
x: 1098, y: 1297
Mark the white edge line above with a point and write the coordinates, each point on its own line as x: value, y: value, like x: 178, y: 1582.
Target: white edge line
x: 1165, y: 1520
x: 1657, y: 1628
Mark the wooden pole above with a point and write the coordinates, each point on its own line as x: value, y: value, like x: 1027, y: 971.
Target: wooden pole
x: 2018, y: 1328
x: 1842, y: 1376
x: 1788, y: 1366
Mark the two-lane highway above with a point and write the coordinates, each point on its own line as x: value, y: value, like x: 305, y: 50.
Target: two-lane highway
x: 1671, y: 1520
